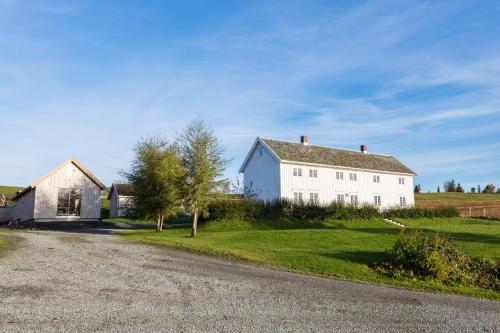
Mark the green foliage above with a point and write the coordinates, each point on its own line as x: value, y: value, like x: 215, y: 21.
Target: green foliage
x: 430, y: 255
x: 155, y: 176
x: 417, y: 189
x: 284, y: 208
x: 201, y: 154
x: 420, y: 212
x: 490, y: 188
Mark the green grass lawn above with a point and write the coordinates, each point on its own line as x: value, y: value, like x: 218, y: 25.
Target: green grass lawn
x: 476, y: 237
x: 181, y: 219
x: 455, y: 196
x: 343, y: 249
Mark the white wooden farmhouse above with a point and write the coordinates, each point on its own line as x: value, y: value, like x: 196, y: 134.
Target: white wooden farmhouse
x: 120, y: 200
x: 67, y: 193
x: 299, y: 171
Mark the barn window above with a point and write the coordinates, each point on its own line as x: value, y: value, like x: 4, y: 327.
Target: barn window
x: 376, y: 179
x: 340, y: 198
x: 339, y: 175
x: 402, y: 201
x: 401, y: 181
x: 377, y: 200
x: 313, y: 173
x: 353, y: 177
x: 68, y: 202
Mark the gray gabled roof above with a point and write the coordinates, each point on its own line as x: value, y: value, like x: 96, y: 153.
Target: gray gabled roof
x: 124, y: 190
x: 298, y: 152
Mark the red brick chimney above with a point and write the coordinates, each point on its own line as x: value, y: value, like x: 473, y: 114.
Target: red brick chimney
x: 364, y: 149
x: 304, y: 140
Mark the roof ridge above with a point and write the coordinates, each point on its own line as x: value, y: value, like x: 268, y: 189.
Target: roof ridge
x: 345, y: 149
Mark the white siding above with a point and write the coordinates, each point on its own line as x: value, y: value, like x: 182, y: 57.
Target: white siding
x: 24, y: 207
x: 262, y: 174
x: 68, y: 176
x: 328, y: 187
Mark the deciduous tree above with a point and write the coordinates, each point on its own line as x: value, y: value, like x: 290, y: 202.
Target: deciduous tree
x: 155, y: 176
x: 202, y: 156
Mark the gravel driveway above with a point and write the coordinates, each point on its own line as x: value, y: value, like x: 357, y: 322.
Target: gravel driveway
x: 66, y: 281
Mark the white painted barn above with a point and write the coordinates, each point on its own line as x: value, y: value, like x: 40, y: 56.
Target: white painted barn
x: 67, y: 193
x: 120, y: 200
x: 299, y: 171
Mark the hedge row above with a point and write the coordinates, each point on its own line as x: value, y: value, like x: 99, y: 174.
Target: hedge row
x: 283, y: 208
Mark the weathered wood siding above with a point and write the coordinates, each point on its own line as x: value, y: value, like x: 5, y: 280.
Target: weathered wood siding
x: 25, y: 206
x: 6, y: 214
x: 70, y: 176
x: 262, y: 174
x: 113, y: 205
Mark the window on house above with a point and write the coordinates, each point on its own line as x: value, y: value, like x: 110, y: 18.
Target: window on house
x: 297, y: 172
x: 340, y: 198
x: 339, y: 175
x: 353, y: 177
x: 401, y: 181
x: 376, y: 179
x: 354, y: 199
x: 68, y: 202
x: 402, y: 201
x: 313, y: 173
x: 377, y: 200
x: 297, y: 196
x: 313, y: 197
x: 260, y: 152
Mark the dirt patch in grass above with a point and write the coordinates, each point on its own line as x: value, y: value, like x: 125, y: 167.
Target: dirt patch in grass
x: 8, y: 243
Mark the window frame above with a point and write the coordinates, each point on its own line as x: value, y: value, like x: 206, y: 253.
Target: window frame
x: 73, y: 193
x: 353, y: 177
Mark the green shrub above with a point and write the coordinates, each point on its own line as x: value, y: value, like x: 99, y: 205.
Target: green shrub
x: 430, y: 255
x: 418, y: 212
x: 226, y: 209
x: 285, y: 208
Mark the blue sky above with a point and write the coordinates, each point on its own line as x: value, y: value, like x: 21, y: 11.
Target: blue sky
x: 417, y: 80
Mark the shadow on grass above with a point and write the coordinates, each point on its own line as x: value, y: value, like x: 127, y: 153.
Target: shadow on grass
x: 358, y: 257
x: 465, y: 236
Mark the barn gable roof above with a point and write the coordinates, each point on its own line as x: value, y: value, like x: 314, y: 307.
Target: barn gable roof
x: 72, y: 160
x: 124, y: 190
x: 319, y: 155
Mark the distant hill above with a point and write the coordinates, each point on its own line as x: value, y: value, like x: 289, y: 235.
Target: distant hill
x: 9, y: 191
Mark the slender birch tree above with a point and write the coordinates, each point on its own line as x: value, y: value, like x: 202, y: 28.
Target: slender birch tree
x: 202, y: 156
x: 155, y: 177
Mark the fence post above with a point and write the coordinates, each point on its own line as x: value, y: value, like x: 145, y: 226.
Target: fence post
x: 484, y: 212
x: 470, y: 211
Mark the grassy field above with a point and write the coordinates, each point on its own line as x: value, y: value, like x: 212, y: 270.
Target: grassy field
x: 475, y: 204
x: 343, y: 249
x: 9, y: 191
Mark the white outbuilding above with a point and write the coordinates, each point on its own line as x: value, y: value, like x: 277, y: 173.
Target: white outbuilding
x: 299, y: 171
x: 120, y: 200
x: 70, y: 192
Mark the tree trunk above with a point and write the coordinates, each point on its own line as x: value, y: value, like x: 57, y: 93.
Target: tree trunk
x: 195, y: 224
x: 161, y: 223
x: 158, y: 220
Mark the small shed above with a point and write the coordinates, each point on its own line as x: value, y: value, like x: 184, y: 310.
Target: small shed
x: 70, y: 193
x: 120, y: 200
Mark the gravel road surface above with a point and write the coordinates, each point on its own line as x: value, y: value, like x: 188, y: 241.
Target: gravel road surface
x: 68, y: 281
